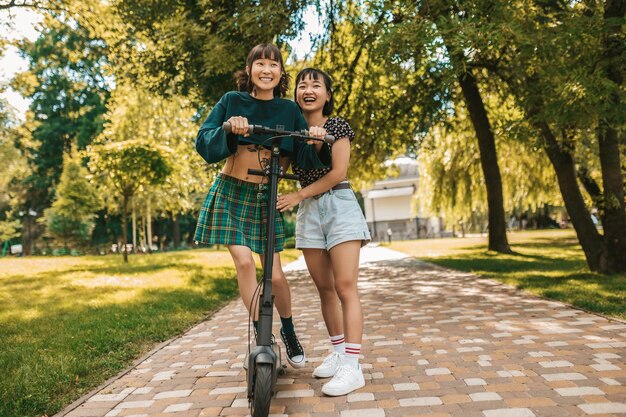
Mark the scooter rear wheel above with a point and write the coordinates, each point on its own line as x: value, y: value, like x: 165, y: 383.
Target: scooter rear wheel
x: 262, y: 390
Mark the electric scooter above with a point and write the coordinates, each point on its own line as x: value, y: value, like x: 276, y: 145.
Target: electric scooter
x: 264, y: 361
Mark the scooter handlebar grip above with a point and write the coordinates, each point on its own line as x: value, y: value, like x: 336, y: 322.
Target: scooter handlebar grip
x: 227, y: 127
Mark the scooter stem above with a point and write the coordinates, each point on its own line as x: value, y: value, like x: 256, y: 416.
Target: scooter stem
x: 264, y: 335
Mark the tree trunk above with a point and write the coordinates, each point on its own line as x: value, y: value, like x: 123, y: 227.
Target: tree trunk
x: 486, y: 142
x: 593, y: 189
x: 489, y: 161
x: 134, y: 220
x: 124, y: 226
x: 176, y: 230
x: 149, y: 225
x: 608, y: 141
x: 26, y: 236
x: 159, y: 229
x: 563, y: 163
x: 142, y: 233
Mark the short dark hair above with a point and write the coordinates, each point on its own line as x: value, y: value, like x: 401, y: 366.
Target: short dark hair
x: 328, y: 82
x: 263, y: 51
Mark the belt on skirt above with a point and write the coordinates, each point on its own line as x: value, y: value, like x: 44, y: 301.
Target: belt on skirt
x: 340, y: 186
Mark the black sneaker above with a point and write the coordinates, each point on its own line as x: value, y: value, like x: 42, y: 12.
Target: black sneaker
x: 295, y: 353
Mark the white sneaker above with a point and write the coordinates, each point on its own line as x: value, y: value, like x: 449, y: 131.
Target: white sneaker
x: 329, y: 366
x: 346, y: 380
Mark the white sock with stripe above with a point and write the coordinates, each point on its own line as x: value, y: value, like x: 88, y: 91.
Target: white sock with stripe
x: 351, y: 357
x: 339, y: 343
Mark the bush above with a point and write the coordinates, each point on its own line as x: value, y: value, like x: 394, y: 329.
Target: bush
x: 290, y: 228
x: 59, y: 252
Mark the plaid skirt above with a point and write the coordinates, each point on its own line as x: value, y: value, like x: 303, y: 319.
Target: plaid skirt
x: 235, y: 213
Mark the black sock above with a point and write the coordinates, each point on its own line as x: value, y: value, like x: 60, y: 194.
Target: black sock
x: 287, y: 324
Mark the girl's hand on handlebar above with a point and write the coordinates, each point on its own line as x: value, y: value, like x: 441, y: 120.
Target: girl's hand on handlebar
x: 285, y: 202
x: 316, y: 132
x: 239, y: 125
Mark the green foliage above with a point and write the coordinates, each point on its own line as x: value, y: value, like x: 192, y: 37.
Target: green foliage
x: 66, y: 228
x: 395, y: 82
x: 70, y: 218
x: 9, y: 229
x: 124, y: 167
x: 14, y: 171
x: 194, y: 47
x: 360, y: 86
x: 290, y: 227
x: 542, y: 62
x: 14, y: 168
x: 290, y: 242
x: 451, y: 181
x: 68, y: 91
x: 165, y: 124
x: 75, y: 194
x: 549, y: 57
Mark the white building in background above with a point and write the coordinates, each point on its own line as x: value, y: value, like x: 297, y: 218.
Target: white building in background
x: 390, y: 205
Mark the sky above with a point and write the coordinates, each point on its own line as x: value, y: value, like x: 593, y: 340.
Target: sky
x: 25, y: 26
x: 10, y: 61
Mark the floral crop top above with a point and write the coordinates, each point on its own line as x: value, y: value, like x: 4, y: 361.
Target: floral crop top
x: 337, y: 127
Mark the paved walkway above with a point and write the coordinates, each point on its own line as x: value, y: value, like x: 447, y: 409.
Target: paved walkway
x: 437, y: 343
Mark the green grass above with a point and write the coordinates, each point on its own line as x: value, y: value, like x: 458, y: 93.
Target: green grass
x: 546, y: 263
x: 69, y: 323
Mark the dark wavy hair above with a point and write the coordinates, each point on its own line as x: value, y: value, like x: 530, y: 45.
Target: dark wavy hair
x: 316, y: 74
x: 263, y: 51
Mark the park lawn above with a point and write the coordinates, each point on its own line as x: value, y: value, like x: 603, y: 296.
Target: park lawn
x: 547, y: 263
x: 69, y: 323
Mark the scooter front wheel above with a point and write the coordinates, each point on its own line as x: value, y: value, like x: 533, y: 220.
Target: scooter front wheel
x: 262, y: 390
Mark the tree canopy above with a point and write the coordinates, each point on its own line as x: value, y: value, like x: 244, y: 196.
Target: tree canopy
x: 530, y: 91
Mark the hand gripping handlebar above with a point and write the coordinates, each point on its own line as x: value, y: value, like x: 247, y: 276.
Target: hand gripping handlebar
x: 303, y: 134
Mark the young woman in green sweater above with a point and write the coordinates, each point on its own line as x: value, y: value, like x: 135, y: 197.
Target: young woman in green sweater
x: 234, y: 212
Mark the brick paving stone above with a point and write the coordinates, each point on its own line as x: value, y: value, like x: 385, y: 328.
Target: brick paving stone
x: 295, y: 393
x: 408, y: 386
x: 135, y: 404
x: 420, y: 401
x: 475, y: 381
x: 603, y: 408
x: 177, y: 407
x: 368, y: 412
x: 573, y: 376
x: 485, y: 396
x: 360, y: 396
x: 436, y: 342
x: 530, y: 402
x: 173, y: 394
x: 227, y: 390
x: 509, y: 412
x: 579, y: 391
x: 455, y: 399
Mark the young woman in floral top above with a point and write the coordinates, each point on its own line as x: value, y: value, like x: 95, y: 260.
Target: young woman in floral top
x: 330, y: 231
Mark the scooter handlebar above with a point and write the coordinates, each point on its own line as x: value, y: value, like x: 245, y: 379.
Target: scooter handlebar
x: 227, y: 127
x: 304, y: 134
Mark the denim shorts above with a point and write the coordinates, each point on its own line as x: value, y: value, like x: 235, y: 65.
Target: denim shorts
x: 333, y: 218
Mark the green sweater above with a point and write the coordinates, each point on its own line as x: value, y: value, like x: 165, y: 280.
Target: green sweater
x: 214, y: 144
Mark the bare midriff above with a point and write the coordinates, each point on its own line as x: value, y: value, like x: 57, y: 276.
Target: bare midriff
x: 249, y: 157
